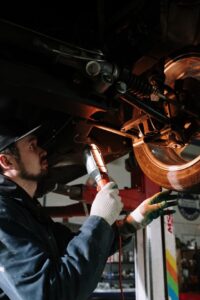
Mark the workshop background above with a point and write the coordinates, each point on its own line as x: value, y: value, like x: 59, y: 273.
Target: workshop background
x: 186, y: 222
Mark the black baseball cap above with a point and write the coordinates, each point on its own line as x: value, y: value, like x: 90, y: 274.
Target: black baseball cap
x: 12, y: 131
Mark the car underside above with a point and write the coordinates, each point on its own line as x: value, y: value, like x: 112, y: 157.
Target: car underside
x: 123, y: 76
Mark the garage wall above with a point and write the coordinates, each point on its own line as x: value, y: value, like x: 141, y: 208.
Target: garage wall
x: 186, y: 230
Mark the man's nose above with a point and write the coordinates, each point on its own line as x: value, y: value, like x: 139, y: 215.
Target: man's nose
x: 42, y: 151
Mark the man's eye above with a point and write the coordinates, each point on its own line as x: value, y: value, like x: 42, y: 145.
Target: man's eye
x: 32, y: 147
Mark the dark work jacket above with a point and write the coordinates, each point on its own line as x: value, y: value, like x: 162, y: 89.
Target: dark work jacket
x: 41, y: 259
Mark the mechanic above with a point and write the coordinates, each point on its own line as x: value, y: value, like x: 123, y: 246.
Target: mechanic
x: 43, y: 259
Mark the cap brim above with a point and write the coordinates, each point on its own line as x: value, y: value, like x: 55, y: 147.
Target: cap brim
x: 28, y: 133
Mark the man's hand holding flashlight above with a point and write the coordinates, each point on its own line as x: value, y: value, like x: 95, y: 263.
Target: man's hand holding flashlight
x: 107, y: 203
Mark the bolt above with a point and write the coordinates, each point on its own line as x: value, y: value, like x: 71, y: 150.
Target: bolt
x: 93, y: 68
x: 121, y: 87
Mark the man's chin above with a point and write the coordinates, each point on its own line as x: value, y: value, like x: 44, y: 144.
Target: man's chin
x: 43, y: 173
x: 34, y: 177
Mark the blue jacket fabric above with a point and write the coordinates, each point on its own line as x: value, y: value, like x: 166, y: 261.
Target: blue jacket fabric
x: 43, y: 260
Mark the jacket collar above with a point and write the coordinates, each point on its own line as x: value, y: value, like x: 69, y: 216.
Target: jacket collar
x: 9, y: 189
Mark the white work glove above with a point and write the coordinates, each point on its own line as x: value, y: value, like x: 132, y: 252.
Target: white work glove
x: 107, y: 203
x: 151, y: 209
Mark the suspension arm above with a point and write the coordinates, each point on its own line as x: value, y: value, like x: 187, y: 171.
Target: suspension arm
x: 147, y: 108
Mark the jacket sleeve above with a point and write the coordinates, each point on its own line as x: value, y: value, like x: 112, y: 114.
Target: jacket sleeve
x: 29, y: 271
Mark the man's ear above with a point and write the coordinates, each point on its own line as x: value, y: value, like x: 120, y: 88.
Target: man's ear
x: 5, y: 162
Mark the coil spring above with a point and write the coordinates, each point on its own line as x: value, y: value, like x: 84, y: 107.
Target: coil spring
x: 139, y: 87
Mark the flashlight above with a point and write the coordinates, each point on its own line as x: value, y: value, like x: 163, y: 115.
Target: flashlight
x: 95, y: 165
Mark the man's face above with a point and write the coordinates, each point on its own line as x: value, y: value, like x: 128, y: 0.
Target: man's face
x: 32, y: 163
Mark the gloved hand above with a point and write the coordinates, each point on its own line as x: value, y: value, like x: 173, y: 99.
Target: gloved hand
x: 107, y: 203
x: 152, y: 208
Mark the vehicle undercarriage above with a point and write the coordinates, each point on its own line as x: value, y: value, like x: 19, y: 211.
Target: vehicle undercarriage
x: 125, y: 77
